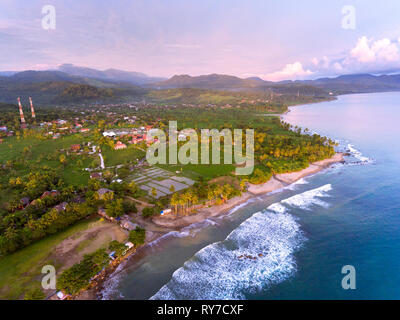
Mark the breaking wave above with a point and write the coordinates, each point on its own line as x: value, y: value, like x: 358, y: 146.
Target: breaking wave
x: 254, y: 256
x: 111, y: 285
x: 358, y: 155
x: 306, y: 199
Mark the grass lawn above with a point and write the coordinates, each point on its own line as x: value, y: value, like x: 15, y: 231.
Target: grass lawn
x: 116, y: 157
x: 22, y: 270
x: 195, y: 171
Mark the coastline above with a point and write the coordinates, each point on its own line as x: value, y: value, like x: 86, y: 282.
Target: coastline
x: 276, y: 182
x: 160, y: 226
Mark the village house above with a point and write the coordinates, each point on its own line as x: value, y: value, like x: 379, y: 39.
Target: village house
x: 150, y: 141
x: 120, y: 146
x: 109, y: 134
x: 137, y: 139
x: 165, y: 211
x: 95, y: 175
x: 62, y: 296
x: 61, y: 207
x: 130, y: 245
x: 101, y: 212
x: 128, y: 225
x: 102, y: 192
x: 45, y: 194
x: 52, y: 193
x: 75, y: 147
x: 24, y: 201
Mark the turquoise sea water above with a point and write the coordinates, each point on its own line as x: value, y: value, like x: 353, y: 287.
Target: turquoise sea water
x: 306, y: 233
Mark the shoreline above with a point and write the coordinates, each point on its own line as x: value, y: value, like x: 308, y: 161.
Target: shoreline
x: 158, y: 227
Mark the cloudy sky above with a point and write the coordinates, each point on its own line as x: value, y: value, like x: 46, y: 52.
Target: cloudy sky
x: 275, y: 40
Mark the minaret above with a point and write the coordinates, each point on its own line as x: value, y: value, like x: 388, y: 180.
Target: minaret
x: 32, y: 110
x: 23, y: 124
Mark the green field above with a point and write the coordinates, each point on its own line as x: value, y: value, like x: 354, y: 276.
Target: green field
x: 72, y: 173
x: 124, y: 156
x: 195, y: 171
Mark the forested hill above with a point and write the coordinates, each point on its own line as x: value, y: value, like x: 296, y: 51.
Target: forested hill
x: 212, y: 82
x: 357, y: 83
x: 50, y: 87
x: 56, y: 87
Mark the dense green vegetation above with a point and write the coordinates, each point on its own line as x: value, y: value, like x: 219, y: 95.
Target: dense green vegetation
x: 184, y: 202
x: 78, y: 276
x: 137, y: 236
x: 79, y: 92
x: 117, y: 247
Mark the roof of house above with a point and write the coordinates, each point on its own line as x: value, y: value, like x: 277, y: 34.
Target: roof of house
x: 103, y: 191
x: 120, y: 145
x: 95, y: 175
x: 129, y: 225
x: 129, y: 245
x: 61, y: 207
x: 25, y: 201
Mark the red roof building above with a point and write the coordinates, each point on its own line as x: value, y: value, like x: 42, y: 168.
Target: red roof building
x: 119, y: 146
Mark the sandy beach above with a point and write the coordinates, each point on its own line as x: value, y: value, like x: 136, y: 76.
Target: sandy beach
x: 203, y: 213
x: 272, y: 185
x: 315, y: 167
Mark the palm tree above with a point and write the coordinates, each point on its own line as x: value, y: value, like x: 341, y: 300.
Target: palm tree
x: 182, y: 202
x: 243, y: 185
x: 175, y: 202
x: 210, y: 196
x: 195, y: 200
x: 186, y: 200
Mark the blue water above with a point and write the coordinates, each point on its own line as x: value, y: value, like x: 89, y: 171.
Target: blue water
x: 345, y: 215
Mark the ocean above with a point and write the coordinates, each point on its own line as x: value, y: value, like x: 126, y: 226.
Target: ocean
x: 293, y: 244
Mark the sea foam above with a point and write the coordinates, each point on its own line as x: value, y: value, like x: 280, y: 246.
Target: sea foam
x: 306, y: 199
x: 358, y: 155
x: 254, y: 256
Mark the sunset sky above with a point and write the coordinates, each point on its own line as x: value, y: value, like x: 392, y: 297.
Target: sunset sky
x: 274, y: 40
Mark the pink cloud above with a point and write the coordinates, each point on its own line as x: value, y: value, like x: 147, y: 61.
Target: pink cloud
x: 291, y: 71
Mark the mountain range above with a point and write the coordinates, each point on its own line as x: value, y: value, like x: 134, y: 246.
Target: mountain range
x: 212, y: 82
x: 136, y: 78
x: 357, y: 83
x: 79, y: 84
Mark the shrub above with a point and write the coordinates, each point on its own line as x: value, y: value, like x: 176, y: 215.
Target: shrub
x: 118, y: 247
x: 34, y: 294
x: 148, y: 212
x: 137, y: 236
